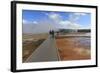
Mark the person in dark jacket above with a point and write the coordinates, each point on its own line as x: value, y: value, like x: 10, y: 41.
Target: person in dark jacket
x: 51, y: 33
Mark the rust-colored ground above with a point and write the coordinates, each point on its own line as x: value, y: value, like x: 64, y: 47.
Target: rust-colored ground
x: 71, y: 49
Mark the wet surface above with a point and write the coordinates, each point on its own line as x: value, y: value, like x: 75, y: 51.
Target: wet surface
x: 74, y: 48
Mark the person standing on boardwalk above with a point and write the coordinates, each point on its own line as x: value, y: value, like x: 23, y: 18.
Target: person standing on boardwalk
x: 51, y: 33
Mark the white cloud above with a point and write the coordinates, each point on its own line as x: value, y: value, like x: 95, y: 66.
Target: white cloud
x: 86, y: 27
x: 35, y: 22
x: 25, y: 21
x: 45, y: 13
x: 72, y: 25
x: 80, y: 14
x: 66, y: 24
x: 75, y: 16
x: 69, y: 25
x: 56, y: 22
x: 29, y: 22
x: 54, y: 16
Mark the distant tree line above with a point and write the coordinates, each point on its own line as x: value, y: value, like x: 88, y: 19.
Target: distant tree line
x: 84, y: 30
x: 64, y: 31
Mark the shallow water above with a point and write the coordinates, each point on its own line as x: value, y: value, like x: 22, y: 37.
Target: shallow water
x: 83, y: 41
x: 74, y: 48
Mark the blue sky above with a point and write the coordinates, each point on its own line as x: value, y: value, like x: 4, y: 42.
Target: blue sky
x: 61, y: 19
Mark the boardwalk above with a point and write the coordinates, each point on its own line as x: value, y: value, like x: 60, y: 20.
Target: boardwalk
x: 47, y: 51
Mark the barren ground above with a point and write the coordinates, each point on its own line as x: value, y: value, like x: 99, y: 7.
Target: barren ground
x: 30, y: 43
